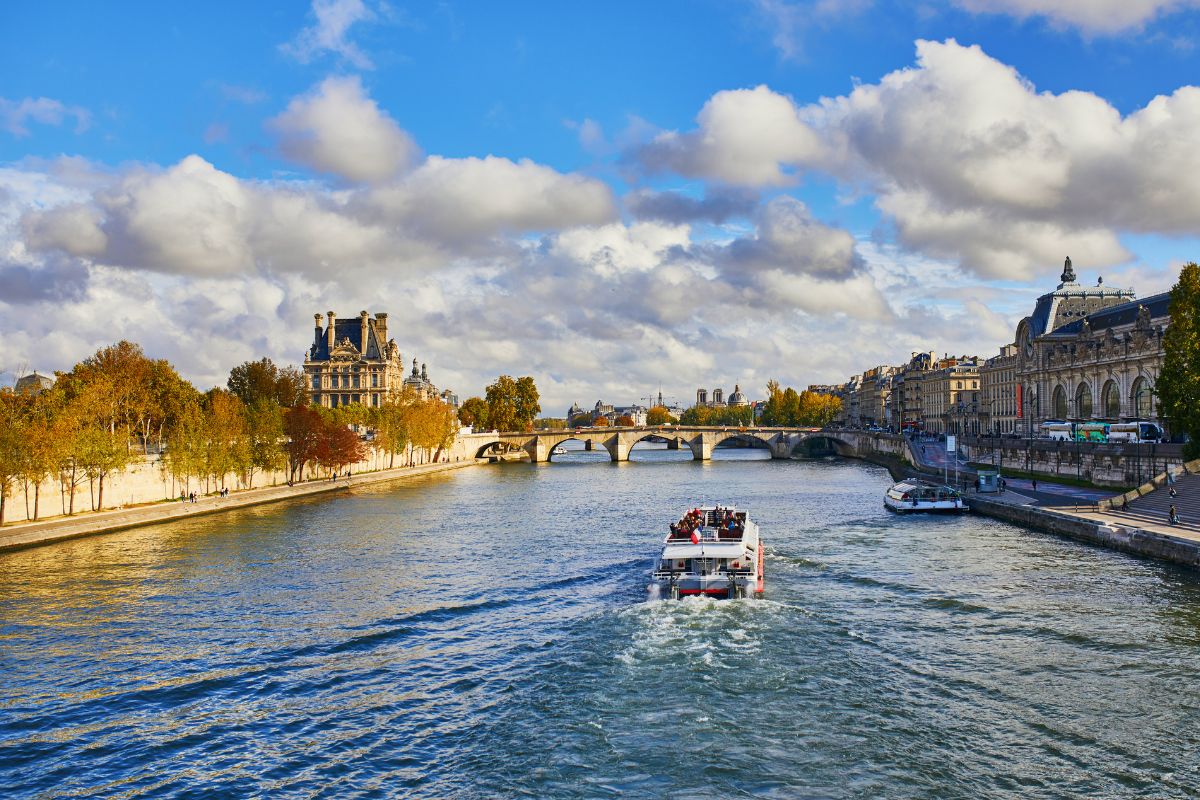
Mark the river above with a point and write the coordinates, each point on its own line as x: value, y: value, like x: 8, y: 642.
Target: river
x: 486, y: 633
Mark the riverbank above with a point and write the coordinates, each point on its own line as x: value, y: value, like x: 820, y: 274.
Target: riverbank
x: 35, y: 534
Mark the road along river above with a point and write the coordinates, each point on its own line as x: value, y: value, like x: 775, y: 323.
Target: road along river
x: 486, y: 634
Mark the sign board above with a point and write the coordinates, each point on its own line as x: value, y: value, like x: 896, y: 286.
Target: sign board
x: 950, y: 444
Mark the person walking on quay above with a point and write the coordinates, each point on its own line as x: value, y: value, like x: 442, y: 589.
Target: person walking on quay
x: 1173, y: 493
x: 1035, y: 484
x: 1124, y: 503
x: 1003, y: 485
x: 1173, y: 515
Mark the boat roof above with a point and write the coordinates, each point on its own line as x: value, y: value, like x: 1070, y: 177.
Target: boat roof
x: 917, y: 483
x: 704, y: 550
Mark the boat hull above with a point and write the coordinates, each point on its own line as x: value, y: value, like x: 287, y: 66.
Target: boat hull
x: 721, y: 586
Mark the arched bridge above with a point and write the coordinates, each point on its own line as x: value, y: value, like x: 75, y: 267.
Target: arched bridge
x: 782, y: 442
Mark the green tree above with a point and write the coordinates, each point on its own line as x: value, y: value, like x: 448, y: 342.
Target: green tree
x: 501, y: 398
x: 227, y: 445
x: 186, y: 445
x: 474, y: 413
x: 264, y: 431
x: 1178, y: 386
x: 527, y: 403
x: 255, y: 381
x: 12, y: 435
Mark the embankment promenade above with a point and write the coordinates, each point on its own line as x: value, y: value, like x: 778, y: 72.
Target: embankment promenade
x: 34, y: 534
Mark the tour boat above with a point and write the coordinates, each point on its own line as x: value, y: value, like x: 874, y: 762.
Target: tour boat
x: 558, y: 450
x: 917, y: 495
x: 713, y: 551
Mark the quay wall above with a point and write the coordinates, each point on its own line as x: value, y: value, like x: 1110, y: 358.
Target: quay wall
x: 1126, y: 539
x: 34, y: 534
x: 146, y: 480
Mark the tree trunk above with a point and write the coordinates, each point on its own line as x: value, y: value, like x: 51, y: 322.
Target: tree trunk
x: 100, y: 501
x: 2, y: 493
x: 37, y: 490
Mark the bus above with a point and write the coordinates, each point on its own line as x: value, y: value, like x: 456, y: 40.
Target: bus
x: 1135, y: 431
x: 1091, y: 432
x: 1059, y: 430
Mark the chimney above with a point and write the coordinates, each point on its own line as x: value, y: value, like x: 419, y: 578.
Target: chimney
x: 317, y: 333
x: 381, y: 328
x: 329, y: 333
x: 362, y: 317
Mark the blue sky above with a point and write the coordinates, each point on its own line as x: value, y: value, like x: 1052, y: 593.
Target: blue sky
x: 368, y: 127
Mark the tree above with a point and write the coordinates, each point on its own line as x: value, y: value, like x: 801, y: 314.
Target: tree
x: 659, y: 415
x: 474, y: 413
x: 626, y: 421
x: 304, y: 428
x: 338, y: 447
x: 12, y: 435
x: 227, y: 442
x: 1178, y: 385
x: 186, y: 445
x: 527, y: 402
x: 255, y: 381
x: 264, y: 430
x: 501, y: 398
x: 40, y: 447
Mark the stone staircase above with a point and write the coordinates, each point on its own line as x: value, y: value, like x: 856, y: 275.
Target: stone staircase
x: 1153, y: 506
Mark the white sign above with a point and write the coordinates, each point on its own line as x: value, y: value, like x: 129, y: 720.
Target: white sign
x: 949, y: 444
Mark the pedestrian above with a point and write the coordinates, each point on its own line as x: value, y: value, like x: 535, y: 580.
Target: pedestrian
x: 1173, y: 516
x: 1173, y: 493
x: 1035, y: 484
x: 1003, y: 485
x: 1124, y: 503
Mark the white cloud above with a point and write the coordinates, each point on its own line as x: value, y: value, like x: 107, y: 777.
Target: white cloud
x: 970, y: 161
x: 15, y: 115
x: 337, y: 129
x: 464, y: 198
x: 330, y: 33
x: 1100, y: 17
x: 746, y: 137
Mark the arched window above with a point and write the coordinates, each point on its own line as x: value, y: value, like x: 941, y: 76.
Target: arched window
x: 1142, y: 397
x: 1060, y: 402
x: 1112, y: 401
x: 1083, y: 401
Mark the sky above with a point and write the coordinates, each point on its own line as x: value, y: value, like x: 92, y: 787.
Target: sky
x: 611, y: 197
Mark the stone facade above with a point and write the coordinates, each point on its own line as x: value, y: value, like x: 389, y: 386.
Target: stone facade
x: 33, y: 383
x: 352, y: 361
x: 950, y: 396
x: 998, y: 393
x: 1089, y: 353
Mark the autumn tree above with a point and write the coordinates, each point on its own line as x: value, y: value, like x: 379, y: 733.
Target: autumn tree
x: 660, y: 415
x: 1178, y: 386
x: 528, y: 402
x: 338, y: 447
x: 186, y: 445
x: 12, y: 434
x: 303, y: 427
x: 501, y: 396
x: 626, y: 421
x: 40, y: 446
x: 227, y: 443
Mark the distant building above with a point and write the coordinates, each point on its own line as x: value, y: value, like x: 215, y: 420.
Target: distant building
x: 33, y: 383
x: 718, y: 398
x: 353, y: 361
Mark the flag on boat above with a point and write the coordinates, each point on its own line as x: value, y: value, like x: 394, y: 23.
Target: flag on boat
x: 696, y: 537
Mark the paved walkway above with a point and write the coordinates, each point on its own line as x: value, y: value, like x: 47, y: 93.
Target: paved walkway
x: 30, y: 534
x: 932, y: 456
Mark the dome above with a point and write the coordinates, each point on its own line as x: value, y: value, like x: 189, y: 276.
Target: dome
x: 737, y: 398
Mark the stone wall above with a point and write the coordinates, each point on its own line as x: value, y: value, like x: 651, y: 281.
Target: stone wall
x: 1113, y: 536
x: 1115, y: 465
x: 146, y: 481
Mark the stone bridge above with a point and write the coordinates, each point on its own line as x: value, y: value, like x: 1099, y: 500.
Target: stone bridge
x: 539, y: 445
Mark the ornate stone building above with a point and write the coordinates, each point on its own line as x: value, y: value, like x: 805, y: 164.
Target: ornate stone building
x: 352, y: 361
x: 1089, y: 353
x: 998, y: 393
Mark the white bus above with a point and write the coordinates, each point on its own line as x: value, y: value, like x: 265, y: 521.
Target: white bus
x: 1136, y: 431
x: 1056, y: 429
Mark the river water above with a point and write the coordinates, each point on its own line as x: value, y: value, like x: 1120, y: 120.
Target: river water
x: 487, y: 633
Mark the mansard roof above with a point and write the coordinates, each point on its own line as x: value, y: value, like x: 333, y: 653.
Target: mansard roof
x: 1159, y: 306
x: 349, y: 329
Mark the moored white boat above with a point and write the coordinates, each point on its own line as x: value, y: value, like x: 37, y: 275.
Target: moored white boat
x: 558, y: 450
x: 714, y: 551
x: 917, y: 495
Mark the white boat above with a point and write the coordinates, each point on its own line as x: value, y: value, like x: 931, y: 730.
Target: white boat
x: 558, y: 450
x: 917, y: 495
x: 713, y: 551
